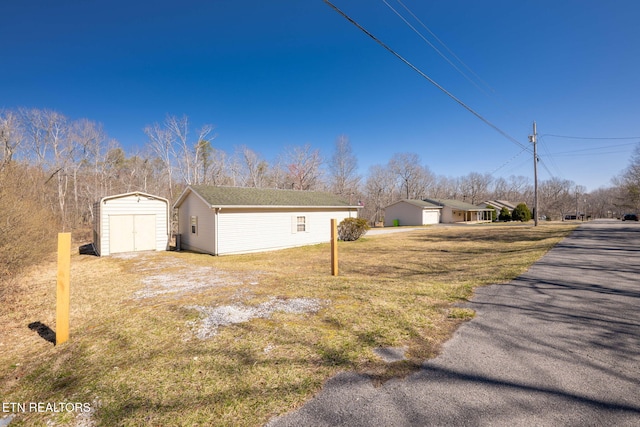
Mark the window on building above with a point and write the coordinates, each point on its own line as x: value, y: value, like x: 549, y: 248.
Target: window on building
x: 194, y: 225
x: 302, y: 224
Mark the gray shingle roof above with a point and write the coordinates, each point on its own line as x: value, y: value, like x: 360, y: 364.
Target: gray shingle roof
x: 421, y: 203
x: 499, y: 204
x: 245, y: 197
x: 455, y: 204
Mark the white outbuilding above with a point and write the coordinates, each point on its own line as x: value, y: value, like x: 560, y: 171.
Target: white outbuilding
x: 234, y: 220
x: 131, y: 222
x: 412, y: 212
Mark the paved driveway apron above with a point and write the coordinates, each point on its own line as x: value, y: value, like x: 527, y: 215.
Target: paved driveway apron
x: 559, y: 346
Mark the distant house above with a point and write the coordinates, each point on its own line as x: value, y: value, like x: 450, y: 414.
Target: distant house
x: 131, y: 222
x: 411, y: 212
x: 454, y: 211
x: 498, y: 205
x: 234, y: 220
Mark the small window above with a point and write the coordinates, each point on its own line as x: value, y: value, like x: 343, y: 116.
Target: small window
x: 194, y: 225
x: 301, y: 224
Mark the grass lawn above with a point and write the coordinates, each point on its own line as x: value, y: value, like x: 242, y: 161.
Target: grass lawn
x: 152, y: 342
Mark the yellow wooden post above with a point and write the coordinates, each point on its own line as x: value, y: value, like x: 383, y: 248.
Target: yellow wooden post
x: 334, y: 247
x: 62, y: 293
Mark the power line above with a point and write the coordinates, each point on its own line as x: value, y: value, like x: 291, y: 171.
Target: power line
x: 590, y: 154
x: 492, y: 91
x: 429, y: 79
x: 446, y: 47
x: 590, y: 137
x: 545, y: 166
x: 546, y: 150
x: 515, y: 167
x: 582, y: 150
x: 507, y: 162
x: 431, y: 44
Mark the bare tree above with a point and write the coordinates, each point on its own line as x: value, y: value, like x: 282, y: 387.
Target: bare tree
x: 602, y: 203
x: 379, y: 192
x: 54, y: 151
x: 343, y: 168
x: 303, y: 167
x: 218, y: 170
x: 443, y: 188
x: 254, y: 170
x: 203, y: 151
x: 161, y: 142
x: 475, y: 187
x: 556, y: 197
x: 414, y: 179
x: 11, y: 136
x: 170, y: 142
x: 629, y: 183
x: 189, y: 156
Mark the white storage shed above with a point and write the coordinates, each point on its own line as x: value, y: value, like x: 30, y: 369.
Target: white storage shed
x: 131, y: 222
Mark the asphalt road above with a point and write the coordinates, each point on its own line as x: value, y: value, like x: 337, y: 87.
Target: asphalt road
x: 559, y: 346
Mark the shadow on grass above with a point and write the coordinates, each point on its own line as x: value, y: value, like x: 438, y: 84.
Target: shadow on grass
x: 45, y: 332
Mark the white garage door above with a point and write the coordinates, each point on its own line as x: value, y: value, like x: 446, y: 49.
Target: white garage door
x: 431, y: 217
x: 131, y: 233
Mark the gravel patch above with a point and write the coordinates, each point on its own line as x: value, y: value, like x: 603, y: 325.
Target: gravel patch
x: 189, y: 279
x: 216, y: 317
x: 173, y: 277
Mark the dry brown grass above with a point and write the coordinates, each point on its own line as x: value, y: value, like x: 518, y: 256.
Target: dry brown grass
x: 133, y: 353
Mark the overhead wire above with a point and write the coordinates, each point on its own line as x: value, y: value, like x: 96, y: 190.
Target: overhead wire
x: 582, y: 150
x: 517, y: 167
x: 460, y: 71
x: 544, y: 165
x: 545, y: 148
x: 507, y: 162
x: 446, y: 47
x: 590, y: 137
x: 491, y: 91
x: 432, y: 45
x: 429, y: 79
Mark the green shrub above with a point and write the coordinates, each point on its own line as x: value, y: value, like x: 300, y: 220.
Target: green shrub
x: 521, y: 213
x: 505, y: 215
x: 494, y: 214
x: 351, y: 229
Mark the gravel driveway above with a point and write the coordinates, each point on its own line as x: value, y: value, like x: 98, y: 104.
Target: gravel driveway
x: 558, y: 346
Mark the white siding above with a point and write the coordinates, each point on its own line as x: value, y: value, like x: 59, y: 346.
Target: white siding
x: 447, y: 215
x: 203, y: 240
x: 406, y: 213
x: 242, y: 231
x: 136, y: 205
x: 410, y: 214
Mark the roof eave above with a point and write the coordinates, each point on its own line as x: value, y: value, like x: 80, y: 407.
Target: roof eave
x: 282, y: 207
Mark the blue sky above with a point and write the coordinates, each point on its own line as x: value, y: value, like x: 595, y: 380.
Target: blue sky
x: 274, y: 74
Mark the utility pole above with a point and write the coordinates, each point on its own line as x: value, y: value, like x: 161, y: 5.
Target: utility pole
x: 533, y: 139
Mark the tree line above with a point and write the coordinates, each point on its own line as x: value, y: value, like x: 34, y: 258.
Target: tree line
x: 67, y: 165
